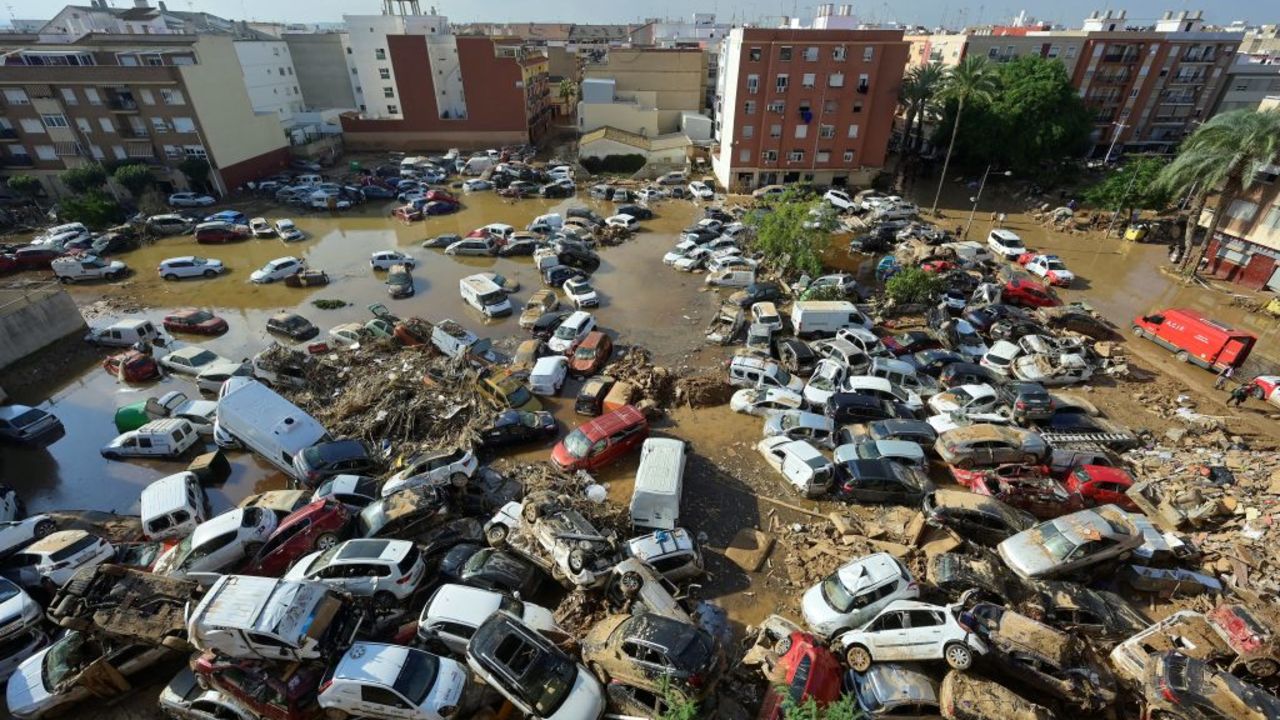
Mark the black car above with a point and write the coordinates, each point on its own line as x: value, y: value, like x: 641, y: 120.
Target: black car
x: 336, y: 457
x: 400, y: 282
x: 699, y: 235
x: 591, y: 397
x: 556, y: 275
x: 547, y: 323
x: 795, y: 356
x: 577, y: 256
x: 523, y: 665
x: 881, y: 481
x: 403, y: 513
x: 1013, y: 328
x: 554, y: 190
x: 484, y: 567
x: 910, y: 342
x: 982, y: 519
x: 967, y: 373
x: 442, y: 539
x: 852, y: 408
x: 441, y: 241
x: 292, y: 326
x: 1028, y: 400
x: 516, y: 427
x: 984, y: 317
x: 932, y: 362
x: 377, y: 192
x: 715, y: 213
x: 870, y: 244
x: 519, y: 246
x: 916, y: 431
x: 756, y: 292
x: 638, y: 212
x: 1073, y: 420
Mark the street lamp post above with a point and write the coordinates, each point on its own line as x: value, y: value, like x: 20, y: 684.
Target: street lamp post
x: 974, y: 210
x: 1114, y: 138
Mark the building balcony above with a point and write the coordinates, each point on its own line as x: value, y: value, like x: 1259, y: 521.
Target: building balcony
x: 17, y: 161
x: 8, y: 134
x: 1112, y: 79
x: 1122, y: 58
x: 134, y: 132
x: 119, y: 104
x: 1186, y: 79
x: 1205, y: 58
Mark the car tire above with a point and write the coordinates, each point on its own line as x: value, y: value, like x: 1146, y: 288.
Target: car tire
x: 530, y: 512
x: 325, y: 541
x: 335, y: 714
x: 1139, y: 332
x: 384, y: 600
x: 170, y: 277
x: 459, y: 480
x: 496, y: 535
x: 43, y: 528
x: 111, y: 455
x: 251, y: 549
x: 1262, y: 667
x: 859, y: 658
x: 64, y: 280
x: 1030, y: 459
x: 1182, y: 356
x: 210, y: 273
x: 958, y: 656
x: 783, y: 646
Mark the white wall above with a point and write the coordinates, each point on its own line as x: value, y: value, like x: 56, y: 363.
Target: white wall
x: 269, y: 76
x: 727, y: 114
x: 366, y: 35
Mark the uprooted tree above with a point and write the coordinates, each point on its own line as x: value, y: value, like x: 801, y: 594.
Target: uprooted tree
x: 791, y: 238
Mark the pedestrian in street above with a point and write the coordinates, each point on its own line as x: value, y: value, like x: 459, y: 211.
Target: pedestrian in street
x: 1223, y: 376
x: 1238, y: 396
x: 1000, y: 219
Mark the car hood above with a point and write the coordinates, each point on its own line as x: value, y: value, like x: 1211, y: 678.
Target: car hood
x: 451, y: 680
x: 817, y: 613
x: 1025, y: 556
x: 18, y: 606
x: 585, y: 699
x: 26, y: 691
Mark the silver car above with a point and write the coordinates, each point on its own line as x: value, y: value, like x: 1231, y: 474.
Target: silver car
x: 1071, y: 542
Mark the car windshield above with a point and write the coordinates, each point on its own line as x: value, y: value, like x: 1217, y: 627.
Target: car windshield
x: 577, y: 444
x: 836, y: 594
x: 199, y: 316
x: 204, y: 357
x: 66, y: 656
x: 1057, y: 545
x: 371, y: 519
x: 519, y: 396
x: 416, y: 677
x: 566, y: 332
x: 1054, y: 265
x: 492, y: 298
x: 27, y: 418
x: 548, y: 683
x: 790, y: 421
x: 7, y: 590
x: 868, y: 451
x: 323, y: 559
x: 585, y: 353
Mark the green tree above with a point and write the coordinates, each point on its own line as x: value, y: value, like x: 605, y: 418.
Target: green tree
x: 913, y: 285
x: 1039, y: 115
x: 196, y: 170
x: 842, y: 708
x: 1131, y: 187
x: 26, y: 186
x: 917, y: 95
x: 973, y: 80
x: 567, y: 89
x: 134, y: 178
x: 780, y: 235
x: 1221, y: 160
x: 94, y: 208
x: 85, y: 178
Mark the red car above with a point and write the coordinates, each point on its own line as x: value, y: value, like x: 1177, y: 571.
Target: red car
x: 441, y: 196
x: 938, y: 266
x: 1027, y: 256
x: 35, y: 257
x: 195, y: 321
x: 602, y: 440
x: 261, y: 687
x: 407, y: 213
x: 220, y: 233
x: 318, y: 526
x: 1025, y: 487
x: 136, y: 366
x: 1100, y: 485
x: 591, y: 354
x: 1028, y: 294
x: 806, y: 670
x: 910, y: 342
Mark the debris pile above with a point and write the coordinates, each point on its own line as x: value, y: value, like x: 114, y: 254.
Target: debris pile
x: 662, y: 388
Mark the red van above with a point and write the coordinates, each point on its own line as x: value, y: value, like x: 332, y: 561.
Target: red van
x: 602, y: 440
x: 1195, y: 338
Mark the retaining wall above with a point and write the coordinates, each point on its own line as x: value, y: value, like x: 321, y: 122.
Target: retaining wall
x: 32, y: 317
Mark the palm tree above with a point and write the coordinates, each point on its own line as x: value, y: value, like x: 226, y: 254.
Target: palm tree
x: 567, y: 90
x: 973, y: 79
x: 917, y: 94
x: 1222, y: 156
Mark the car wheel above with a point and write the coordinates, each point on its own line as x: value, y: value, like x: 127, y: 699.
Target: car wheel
x: 209, y: 273
x: 958, y: 656
x: 1139, y: 332
x: 859, y: 658
x: 783, y: 646
x: 111, y: 455
x: 496, y: 535
x: 384, y: 600
x: 251, y: 549
x: 1030, y: 459
x: 1262, y: 667
x: 170, y: 277
x: 459, y: 480
x: 326, y: 541
x: 964, y: 463
x: 64, y: 280
x: 1182, y: 356
x: 335, y: 714
x: 530, y: 512
x: 43, y: 528
x: 577, y: 560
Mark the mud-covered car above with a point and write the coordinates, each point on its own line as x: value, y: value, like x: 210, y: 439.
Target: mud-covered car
x: 1185, y: 631
x: 1072, y: 543
x: 655, y: 653
x: 558, y: 539
x: 1026, y: 487
x: 965, y: 696
x: 128, y: 605
x: 983, y: 520
x: 1251, y: 633
x: 403, y: 513
x: 74, y: 668
x: 261, y: 687
x: 1177, y: 687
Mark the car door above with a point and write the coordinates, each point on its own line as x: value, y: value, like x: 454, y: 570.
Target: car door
x: 925, y: 634
x: 888, y: 637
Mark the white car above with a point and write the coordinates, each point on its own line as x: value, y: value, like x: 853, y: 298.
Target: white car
x: 811, y: 427
x: 288, y: 231
x: 1051, y: 370
x: 878, y: 387
x: 191, y: 360
x: 219, y: 543
x: 623, y: 220
x: 682, y: 248
x: 321, y: 201
x: 827, y: 379
x: 855, y: 593
x: 967, y: 399
x: 966, y: 340
x: 354, y: 491
x: 731, y: 262
x: 386, y: 570
x: 46, y: 683
x: 445, y: 467
x: 190, y: 199
x: 911, y: 631
x: 176, y: 404
x: 761, y: 401
x: 899, y: 451
x: 945, y: 422
x: 454, y: 612
x: 571, y: 330
x: 701, y: 190
x: 766, y: 313
x: 839, y: 199
x: 374, y: 680
x: 184, y: 699
x: 55, y: 557
x: 17, y: 534
x: 999, y: 359
x: 261, y: 228
x: 1006, y: 244
x: 189, y: 266
x: 387, y: 259
x: 1052, y: 269
x: 548, y: 375
x: 692, y: 260
x: 277, y: 269
x: 476, y: 185
x: 580, y: 293
x: 210, y: 379
x: 800, y: 463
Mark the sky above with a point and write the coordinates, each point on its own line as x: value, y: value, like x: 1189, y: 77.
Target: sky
x: 930, y: 13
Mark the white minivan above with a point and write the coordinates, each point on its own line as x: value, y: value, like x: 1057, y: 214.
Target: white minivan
x: 483, y: 294
x: 173, y: 506
x: 253, y: 416
x: 168, y: 438
x: 125, y: 333
x: 815, y: 318
x: 655, y: 501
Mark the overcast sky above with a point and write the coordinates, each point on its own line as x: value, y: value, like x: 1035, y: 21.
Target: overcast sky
x: 953, y: 13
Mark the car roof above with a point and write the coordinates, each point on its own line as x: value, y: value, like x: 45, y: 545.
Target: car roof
x: 470, y: 605
x: 1086, y: 525
x: 372, y: 663
x: 365, y: 550
x: 869, y: 571
x: 55, y: 541
x: 228, y: 521
x: 979, y: 432
x: 611, y: 422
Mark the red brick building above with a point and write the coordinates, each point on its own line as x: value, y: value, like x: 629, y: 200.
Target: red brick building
x: 806, y: 105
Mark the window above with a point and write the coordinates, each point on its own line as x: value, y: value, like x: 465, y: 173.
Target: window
x: 864, y: 82
x: 775, y: 130
x: 795, y: 156
x: 808, y: 80
x: 857, y: 106
x: 16, y: 96
x: 170, y: 96
x: 784, y: 53
x: 824, y: 156
x: 84, y: 125
x: 388, y: 92
x: 826, y: 132
x: 830, y: 106
x: 46, y: 152
x: 159, y: 124
x: 811, y: 54
x: 106, y: 125
x: 1272, y: 219
x: 749, y: 107
x: 184, y: 125
x: 147, y: 97
x: 31, y: 125
x: 838, y: 53
x: 69, y: 96
x: 1242, y: 210
x: 848, y: 156
x: 55, y: 121
x: 195, y: 151
x: 384, y: 73
x: 777, y: 106
x: 96, y: 152
x: 781, y: 82
x: 769, y: 156
x: 393, y: 109
x: 173, y: 152
x: 1053, y: 52
x: 744, y: 156
x: 1071, y: 51
x: 748, y: 131
x: 868, y: 53
x: 379, y: 54
x: 753, y: 54
x: 92, y: 95
x: 753, y: 84
x: 835, y: 80
x: 802, y: 131
x: 853, y: 131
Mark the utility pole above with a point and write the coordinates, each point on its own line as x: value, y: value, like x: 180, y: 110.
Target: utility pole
x: 1114, y: 138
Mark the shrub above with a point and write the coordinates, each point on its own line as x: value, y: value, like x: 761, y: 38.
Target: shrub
x: 617, y: 164
x: 95, y: 209
x: 913, y: 285
x: 84, y: 179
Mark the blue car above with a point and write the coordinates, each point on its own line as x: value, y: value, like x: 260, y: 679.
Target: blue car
x: 228, y: 216
x: 377, y: 192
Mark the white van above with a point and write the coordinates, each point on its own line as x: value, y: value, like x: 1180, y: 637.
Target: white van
x: 168, y: 438
x: 173, y: 506
x: 125, y: 333
x: 484, y: 295
x: 251, y: 415
x: 655, y: 501
x: 815, y: 318
x: 477, y: 165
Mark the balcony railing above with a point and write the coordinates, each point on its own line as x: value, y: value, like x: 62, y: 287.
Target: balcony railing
x: 1127, y: 57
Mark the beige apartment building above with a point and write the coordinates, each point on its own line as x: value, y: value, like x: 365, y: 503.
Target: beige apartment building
x: 998, y: 45
x: 641, y: 90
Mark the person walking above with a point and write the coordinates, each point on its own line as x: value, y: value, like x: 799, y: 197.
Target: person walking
x: 1223, y: 376
x: 1238, y: 396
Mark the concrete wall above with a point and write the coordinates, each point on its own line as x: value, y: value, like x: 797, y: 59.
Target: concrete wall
x: 624, y: 116
x: 269, y: 76
x: 31, y: 318
x: 320, y: 61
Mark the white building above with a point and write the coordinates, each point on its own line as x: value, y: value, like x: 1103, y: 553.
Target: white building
x: 373, y: 77
x: 269, y: 76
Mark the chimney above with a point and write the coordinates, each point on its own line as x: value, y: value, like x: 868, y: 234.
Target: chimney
x: 162, y: 7
x: 846, y: 10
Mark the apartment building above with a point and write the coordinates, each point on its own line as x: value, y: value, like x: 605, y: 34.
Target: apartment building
x: 1250, y: 81
x: 805, y: 105
x: 641, y: 90
x: 156, y: 98
x: 999, y: 45
x: 320, y: 60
